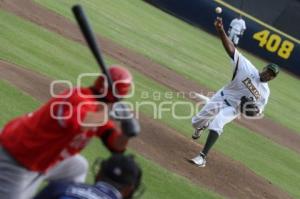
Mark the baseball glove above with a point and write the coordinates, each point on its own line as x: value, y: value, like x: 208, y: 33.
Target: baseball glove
x: 248, y: 106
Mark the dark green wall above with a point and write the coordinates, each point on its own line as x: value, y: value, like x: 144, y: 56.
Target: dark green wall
x: 281, y: 14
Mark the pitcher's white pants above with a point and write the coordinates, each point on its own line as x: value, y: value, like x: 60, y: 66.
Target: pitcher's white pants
x: 215, y: 114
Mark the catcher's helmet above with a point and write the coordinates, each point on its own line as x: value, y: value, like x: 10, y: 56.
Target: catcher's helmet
x: 122, y: 80
x: 121, y: 171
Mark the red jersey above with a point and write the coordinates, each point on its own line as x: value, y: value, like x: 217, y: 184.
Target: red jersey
x: 52, y: 133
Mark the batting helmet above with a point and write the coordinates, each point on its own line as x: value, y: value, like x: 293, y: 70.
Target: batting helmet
x: 122, y: 80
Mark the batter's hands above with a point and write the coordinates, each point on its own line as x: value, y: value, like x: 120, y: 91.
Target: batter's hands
x: 219, y: 24
x: 121, y: 112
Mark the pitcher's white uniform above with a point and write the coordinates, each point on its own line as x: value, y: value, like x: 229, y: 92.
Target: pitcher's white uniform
x: 223, y: 107
x: 237, y: 28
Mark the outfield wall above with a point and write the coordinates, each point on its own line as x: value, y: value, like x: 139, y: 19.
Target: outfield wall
x: 282, y: 14
x: 259, y: 38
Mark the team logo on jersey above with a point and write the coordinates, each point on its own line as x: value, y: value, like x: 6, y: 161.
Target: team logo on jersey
x: 247, y: 82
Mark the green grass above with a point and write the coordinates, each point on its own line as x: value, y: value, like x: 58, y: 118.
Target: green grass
x: 48, y: 53
x: 252, y: 150
x: 181, y: 47
x: 276, y: 163
x: 14, y: 102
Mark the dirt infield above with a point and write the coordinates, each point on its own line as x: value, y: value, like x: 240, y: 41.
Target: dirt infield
x: 156, y: 142
x: 225, y: 176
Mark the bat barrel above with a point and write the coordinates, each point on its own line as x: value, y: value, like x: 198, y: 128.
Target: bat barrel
x: 90, y: 38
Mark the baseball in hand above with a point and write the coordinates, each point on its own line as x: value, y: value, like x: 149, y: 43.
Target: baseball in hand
x: 218, y: 10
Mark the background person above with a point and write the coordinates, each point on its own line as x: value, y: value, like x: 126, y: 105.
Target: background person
x: 236, y: 29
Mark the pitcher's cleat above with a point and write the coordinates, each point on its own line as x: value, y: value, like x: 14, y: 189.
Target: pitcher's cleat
x: 197, y: 133
x: 199, y: 160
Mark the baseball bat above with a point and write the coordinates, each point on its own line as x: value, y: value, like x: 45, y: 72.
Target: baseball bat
x: 90, y: 38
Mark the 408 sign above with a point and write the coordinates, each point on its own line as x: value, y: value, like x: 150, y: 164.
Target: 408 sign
x: 274, y: 43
